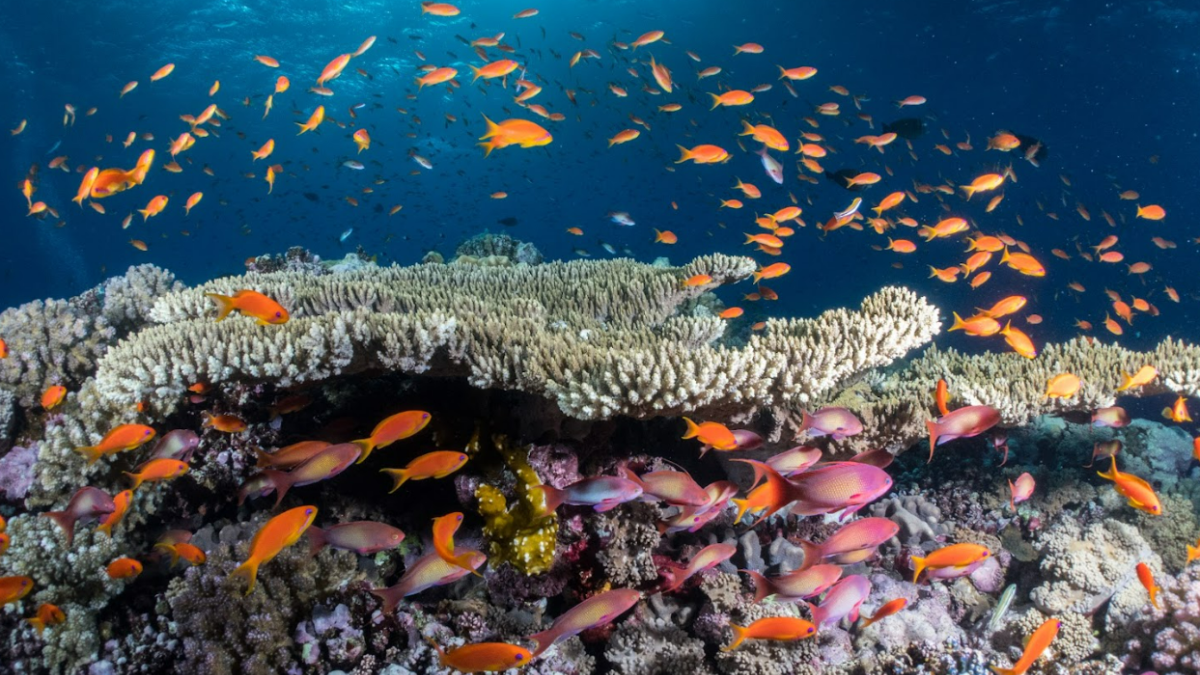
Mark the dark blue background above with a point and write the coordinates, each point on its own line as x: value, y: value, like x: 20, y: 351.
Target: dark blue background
x: 1104, y: 85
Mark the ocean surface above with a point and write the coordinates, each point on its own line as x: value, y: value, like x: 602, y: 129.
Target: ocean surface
x: 1109, y: 89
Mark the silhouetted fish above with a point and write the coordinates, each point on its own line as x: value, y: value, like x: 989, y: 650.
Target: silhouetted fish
x: 908, y: 128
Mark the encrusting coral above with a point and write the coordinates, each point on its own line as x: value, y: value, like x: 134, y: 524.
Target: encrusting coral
x: 516, y: 532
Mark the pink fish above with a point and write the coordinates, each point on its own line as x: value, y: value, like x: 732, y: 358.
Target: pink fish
x: 879, y: 457
x: 1000, y: 442
x: 961, y: 423
x: 255, y: 486
x: 179, y: 444
x: 707, y: 558
x: 603, y: 493
x: 843, y: 601
x: 794, y: 461
x: 1021, y: 490
x: 88, y: 503
x: 1104, y: 450
x: 596, y: 611
x: 769, y: 493
x: 837, y: 422
x: 854, y: 542
x: 746, y: 439
x: 839, y: 486
x: 364, y: 537
x: 1114, y: 417
x: 773, y: 168
x: 676, y: 488
x: 692, y: 518
x: 428, y: 571
x: 324, y: 465
x: 798, y: 585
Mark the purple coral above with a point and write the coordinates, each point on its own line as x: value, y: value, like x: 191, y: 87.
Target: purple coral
x: 16, y: 472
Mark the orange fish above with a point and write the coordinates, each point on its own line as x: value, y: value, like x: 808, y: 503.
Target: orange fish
x: 157, y: 470
x: 955, y: 556
x: 277, y: 534
x: 13, y: 589
x: 1064, y: 385
x: 733, y: 97
x: 1145, y: 375
x: 665, y: 237
x: 121, y: 439
x: 698, y: 280
x: 395, y: 428
x: 53, y: 396
x: 314, y: 120
x: 229, y: 424
x: 267, y: 61
x: 122, y: 501
x: 703, y: 154
x: 624, y: 136
x: 1146, y: 576
x: 444, y: 528
x: 1023, y: 263
x: 1137, y: 491
x: 155, y: 207
x: 1178, y: 412
x: 980, y: 325
x: 494, y: 69
x: 362, y: 139
x: 250, y: 303
x: 162, y: 72
x: 189, y: 552
x: 886, y: 610
x: 488, y: 657
x: 192, y: 201
x: 772, y: 271
x: 748, y: 48
x: 731, y: 313
x: 1019, y: 341
x: 1152, y: 212
x: 437, y: 464
x: 47, y: 615
x: 900, y: 246
x: 711, y: 434
x: 519, y: 132
x: 333, y: 69
x: 1034, y: 647
x: 780, y: 628
x: 941, y: 396
x: 124, y: 568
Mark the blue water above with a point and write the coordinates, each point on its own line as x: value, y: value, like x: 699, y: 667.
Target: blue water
x: 1105, y: 86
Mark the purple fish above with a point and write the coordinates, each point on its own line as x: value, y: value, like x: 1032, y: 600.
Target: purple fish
x: 843, y: 601
x: 707, y: 558
x: 180, y: 444
x: 603, y: 493
x: 854, y: 542
x: 364, y: 537
x: 676, y: 488
x: 692, y: 518
x: 798, y: 585
x: 961, y: 423
x: 880, y: 458
x: 1114, y: 417
x: 596, y: 611
x: 836, y: 422
x: 839, y: 486
x: 428, y: 571
x: 88, y: 503
x: 794, y: 461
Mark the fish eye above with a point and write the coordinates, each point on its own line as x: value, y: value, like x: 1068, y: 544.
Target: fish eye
x: 308, y: 511
x: 811, y: 629
x: 520, y: 657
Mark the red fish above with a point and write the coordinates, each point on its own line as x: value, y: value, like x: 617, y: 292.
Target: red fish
x: 123, y: 568
x: 1021, y: 490
x: 677, y: 488
x: 839, y: 486
x: 47, y: 615
x: 961, y: 423
x: 291, y: 456
x: 444, y: 529
x: 838, y: 423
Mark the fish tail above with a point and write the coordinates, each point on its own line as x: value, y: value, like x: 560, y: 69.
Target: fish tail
x: 390, y: 597
x: 464, y: 560
x: 743, y: 506
x: 92, y: 453
x: 739, y: 635
x: 400, y: 476
x: 543, y: 640
x: 64, y: 520
x: 806, y: 422
x: 757, y: 277
x: 316, y: 539
x: 264, y: 458
x: 366, y: 445
x: 552, y: 498
x: 812, y: 554
x: 1006, y: 256
x: 782, y: 72
x: 137, y: 479
x: 224, y: 304
x: 693, y: 429
x: 932, y: 426
x: 170, y: 549
x: 684, y: 154
x: 1112, y: 473
x: 1012, y: 495
x: 1193, y: 552
x: 817, y: 614
x: 967, y: 189
x: 958, y: 322
x: 282, y: 482
x: 38, y: 624
x: 762, y: 586
x: 918, y: 567
x: 249, y: 571
x: 716, y: 101
x: 1004, y: 671
x: 747, y: 129
x: 487, y: 146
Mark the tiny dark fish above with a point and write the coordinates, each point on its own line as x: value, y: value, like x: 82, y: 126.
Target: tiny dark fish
x: 509, y: 221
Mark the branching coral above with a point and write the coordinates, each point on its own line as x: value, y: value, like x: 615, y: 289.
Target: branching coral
x: 599, y: 338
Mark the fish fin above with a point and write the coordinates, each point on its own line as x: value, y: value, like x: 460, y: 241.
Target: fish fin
x: 739, y: 635
x: 693, y: 429
x: 400, y: 476
x: 545, y: 640
x: 818, y: 615
x: 1004, y: 671
x: 316, y: 540
x: 762, y: 585
x: 1012, y: 495
x: 743, y: 506
x: 476, y: 71
x: 932, y: 426
x: 169, y: 548
x: 38, y: 624
x: 64, y: 520
x: 249, y: 571
x: 684, y: 154
x: 265, y: 459
x: 716, y: 101
x: 281, y: 481
x: 137, y: 479
x: 463, y: 560
x: 919, y: 566
x: 388, y: 597
x: 1193, y: 552
x: 1112, y: 473
x: 812, y: 554
x: 366, y: 445
x: 747, y: 128
x: 92, y: 453
x: 224, y: 304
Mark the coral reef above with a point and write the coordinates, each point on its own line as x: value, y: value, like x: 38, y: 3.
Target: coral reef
x: 515, y: 532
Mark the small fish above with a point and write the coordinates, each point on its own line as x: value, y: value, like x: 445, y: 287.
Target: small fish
x: 326, y: 464
x: 854, y: 542
x: 961, y: 423
x: 1021, y: 490
x: 779, y: 628
x: 602, y: 493
x: 364, y: 537
x: 712, y: 434
x: 597, y: 610
x: 1137, y: 491
x: 395, y: 428
x: 53, y: 396
x: 13, y: 589
x: 250, y: 303
x: 123, y: 568
x: 437, y: 464
x: 47, y: 615
x: 88, y: 503
x: 958, y: 557
x: 121, y: 439
x: 483, y: 656
x: 886, y: 610
x: 1145, y: 375
x: 796, y: 585
x: 1146, y: 576
x: 157, y: 470
x: 1037, y: 643
x: 277, y: 534
x: 346, y: 235
x: 428, y: 571
x: 121, y: 502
